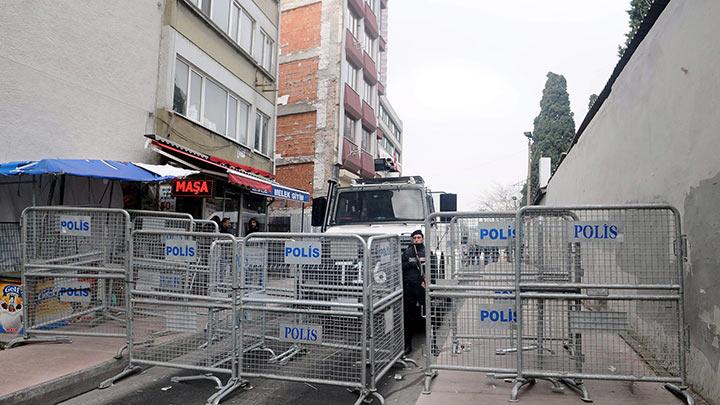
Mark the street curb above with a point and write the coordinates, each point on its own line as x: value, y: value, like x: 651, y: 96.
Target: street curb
x: 65, y: 387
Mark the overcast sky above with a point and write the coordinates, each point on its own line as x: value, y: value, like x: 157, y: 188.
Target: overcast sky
x: 466, y: 78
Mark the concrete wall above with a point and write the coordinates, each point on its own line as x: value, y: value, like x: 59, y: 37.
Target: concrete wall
x: 657, y: 139
x: 78, y: 78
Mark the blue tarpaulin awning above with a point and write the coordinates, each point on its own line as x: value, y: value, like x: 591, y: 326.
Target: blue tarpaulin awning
x: 102, y: 169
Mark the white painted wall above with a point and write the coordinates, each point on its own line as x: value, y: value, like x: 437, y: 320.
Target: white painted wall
x: 657, y: 139
x: 77, y: 79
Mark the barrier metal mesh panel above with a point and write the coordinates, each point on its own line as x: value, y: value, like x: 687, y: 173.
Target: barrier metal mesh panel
x: 9, y: 247
x: 303, y: 315
x: 66, y: 238
x: 386, y: 303
x: 602, y: 292
x: 471, y: 292
x: 85, y: 305
x: 202, y: 225
x: 182, y: 299
x: 161, y: 220
x: 75, y: 270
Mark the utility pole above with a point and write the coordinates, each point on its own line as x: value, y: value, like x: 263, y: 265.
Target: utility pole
x: 529, y: 137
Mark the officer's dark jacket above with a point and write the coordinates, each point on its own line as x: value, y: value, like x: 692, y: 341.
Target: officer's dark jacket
x: 411, y: 266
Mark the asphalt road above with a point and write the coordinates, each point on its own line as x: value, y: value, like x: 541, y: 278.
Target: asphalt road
x: 153, y: 386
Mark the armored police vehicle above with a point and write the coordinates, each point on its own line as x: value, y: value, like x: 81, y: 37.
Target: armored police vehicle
x: 369, y: 207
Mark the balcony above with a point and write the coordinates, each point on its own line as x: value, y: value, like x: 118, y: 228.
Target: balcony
x: 351, y: 155
x: 358, y: 6
x: 353, y: 51
x: 371, y: 24
x: 369, y: 69
x: 353, y: 105
x: 381, y: 89
x: 382, y: 43
x: 368, y: 165
x: 369, y: 121
x: 380, y: 134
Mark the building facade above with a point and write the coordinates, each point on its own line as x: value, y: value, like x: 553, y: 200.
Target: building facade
x: 334, y: 119
x: 187, y: 82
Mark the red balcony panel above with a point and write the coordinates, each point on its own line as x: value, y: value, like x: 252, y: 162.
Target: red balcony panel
x: 367, y: 168
x: 352, y: 160
x: 381, y: 88
x: 369, y: 121
x: 353, y: 50
x: 353, y: 105
x: 383, y: 3
x: 380, y: 133
x: 383, y: 43
x: 369, y: 69
x: 358, y: 6
x: 371, y: 24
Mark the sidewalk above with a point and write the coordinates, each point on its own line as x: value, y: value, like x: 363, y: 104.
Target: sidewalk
x: 44, y: 373
x: 460, y: 388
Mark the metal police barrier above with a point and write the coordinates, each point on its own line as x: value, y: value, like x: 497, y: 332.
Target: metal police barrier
x: 74, y: 264
x: 184, y: 305
x: 318, y: 307
x: 161, y: 220
x: 600, y: 296
x: 470, y: 293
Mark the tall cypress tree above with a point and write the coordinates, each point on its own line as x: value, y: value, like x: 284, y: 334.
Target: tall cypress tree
x: 554, y: 127
x: 638, y: 11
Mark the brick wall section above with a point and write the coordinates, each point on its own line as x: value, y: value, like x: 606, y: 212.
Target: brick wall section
x: 299, y: 80
x: 296, y: 135
x: 298, y: 176
x: 300, y: 29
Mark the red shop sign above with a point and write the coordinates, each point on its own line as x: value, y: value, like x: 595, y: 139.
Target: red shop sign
x: 193, y: 188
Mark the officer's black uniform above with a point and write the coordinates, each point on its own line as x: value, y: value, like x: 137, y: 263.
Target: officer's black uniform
x: 413, y: 291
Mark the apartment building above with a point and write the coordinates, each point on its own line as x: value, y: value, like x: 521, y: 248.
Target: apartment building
x: 334, y: 119
x: 187, y: 82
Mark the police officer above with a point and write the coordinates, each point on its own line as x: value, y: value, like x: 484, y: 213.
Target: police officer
x: 413, y: 263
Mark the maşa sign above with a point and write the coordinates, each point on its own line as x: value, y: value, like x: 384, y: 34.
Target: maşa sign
x: 193, y: 188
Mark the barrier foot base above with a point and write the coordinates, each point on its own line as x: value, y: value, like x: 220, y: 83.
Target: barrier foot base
x: 219, y: 384
x: 428, y: 379
x: 365, y: 397
x: 519, y: 383
x: 28, y: 340
x: 112, y: 380
x: 232, y: 384
x: 579, y: 387
x: 403, y: 361
x: 680, y: 392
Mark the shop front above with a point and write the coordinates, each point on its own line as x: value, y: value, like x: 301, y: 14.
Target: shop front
x: 222, y: 188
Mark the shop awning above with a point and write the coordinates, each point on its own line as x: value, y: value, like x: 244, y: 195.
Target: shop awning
x: 255, y: 180
x: 102, y: 169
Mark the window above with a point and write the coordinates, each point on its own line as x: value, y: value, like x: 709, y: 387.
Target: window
x: 402, y: 204
x: 195, y: 96
x: 349, y: 130
x: 181, y: 87
x: 351, y: 76
x: 267, y: 61
x: 234, y: 15
x: 264, y: 51
x: 367, y: 92
x: 247, y: 27
x: 369, y: 45
x: 262, y: 141
x: 243, y: 113
x: 205, y: 7
x: 221, y: 14
x: 208, y: 103
x: 215, y: 108
x: 373, y: 5
x: 366, y: 139
x: 353, y: 24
